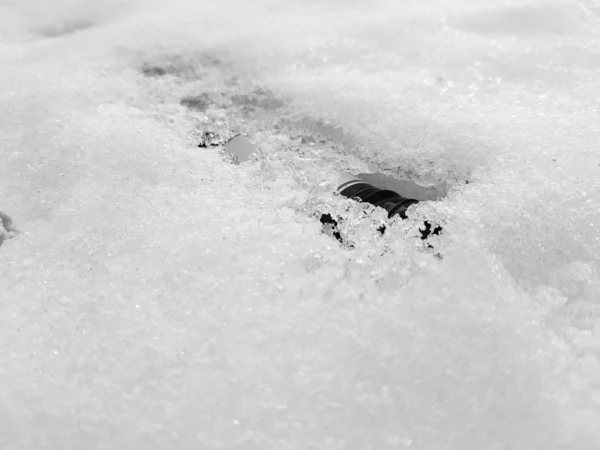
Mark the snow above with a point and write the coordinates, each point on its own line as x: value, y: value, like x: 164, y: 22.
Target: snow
x: 158, y: 296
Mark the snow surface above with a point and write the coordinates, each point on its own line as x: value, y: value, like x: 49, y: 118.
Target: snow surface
x: 159, y: 296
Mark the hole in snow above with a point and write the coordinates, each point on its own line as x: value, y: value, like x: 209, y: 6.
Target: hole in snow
x: 406, y: 188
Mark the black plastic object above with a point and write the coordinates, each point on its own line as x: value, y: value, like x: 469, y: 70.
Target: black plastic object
x: 393, y: 203
x: 357, y: 189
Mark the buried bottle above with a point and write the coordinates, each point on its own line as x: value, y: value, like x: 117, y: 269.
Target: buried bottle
x: 351, y: 186
x: 355, y: 188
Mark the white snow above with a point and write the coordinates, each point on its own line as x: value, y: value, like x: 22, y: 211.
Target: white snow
x: 159, y: 296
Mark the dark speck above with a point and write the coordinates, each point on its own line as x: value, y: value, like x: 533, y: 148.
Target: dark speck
x: 154, y: 71
x: 197, y: 102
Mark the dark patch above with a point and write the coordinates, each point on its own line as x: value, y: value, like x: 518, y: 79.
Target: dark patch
x: 247, y: 110
x: 327, y: 220
x: 173, y: 65
x: 240, y: 148
x: 395, y: 204
x: 429, y: 230
x: 308, y: 140
x: 406, y: 188
x: 209, y: 138
x: 197, y: 102
x: 330, y: 227
x: 154, y: 71
x: 65, y: 29
x: 7, y: 228
x: 425, y: 232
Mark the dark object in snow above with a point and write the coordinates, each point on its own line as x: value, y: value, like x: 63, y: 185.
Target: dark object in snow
x: 153, y: 71
x: 209, y: 138
x: 425, y: 233
x: 196, y: 102
x: 332, y: 226
x: 240, y: 148
x: 7, y: 228
x: 405, y: 188
x: 356, y: 189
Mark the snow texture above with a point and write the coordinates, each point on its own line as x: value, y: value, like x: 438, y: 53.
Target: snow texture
x: 160, y: 297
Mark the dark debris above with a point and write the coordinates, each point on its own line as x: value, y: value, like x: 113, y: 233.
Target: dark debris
x: 154, y: 71
x: 210, y: 139
x: 196, y: 102
x: 330, y: 227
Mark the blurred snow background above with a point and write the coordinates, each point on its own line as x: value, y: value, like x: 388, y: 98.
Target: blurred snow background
x: 160, y: 297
